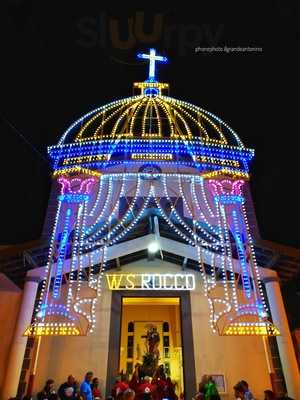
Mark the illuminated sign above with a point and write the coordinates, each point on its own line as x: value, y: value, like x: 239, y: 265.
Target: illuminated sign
x: 151, y: 281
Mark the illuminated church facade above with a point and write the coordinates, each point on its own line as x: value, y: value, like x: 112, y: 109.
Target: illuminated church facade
x: 151, y: 233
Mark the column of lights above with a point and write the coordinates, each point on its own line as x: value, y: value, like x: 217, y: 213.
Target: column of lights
x: 193, y: 216
x: 242, y: 256
x: 252, y: 256
x: 71, y: 195
x: 75, y: 252
x: 226, y: 246
x: 223, y: 250
x: 229, y: 257
x: 256, y: 278
x: 234, y: 197
x: 61, y: 255
x: 47, y: 274
x: 82, y: 212
x: 214, y: 317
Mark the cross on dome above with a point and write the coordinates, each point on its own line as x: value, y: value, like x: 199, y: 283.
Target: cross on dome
x: 152, y: 57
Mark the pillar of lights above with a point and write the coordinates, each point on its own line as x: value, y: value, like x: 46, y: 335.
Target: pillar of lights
x: 147, y: 151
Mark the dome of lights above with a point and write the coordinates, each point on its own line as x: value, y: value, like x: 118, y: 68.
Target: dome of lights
x: 151, y: 115
x: 150, y: 126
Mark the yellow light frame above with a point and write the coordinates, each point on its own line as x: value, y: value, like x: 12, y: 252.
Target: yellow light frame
x: 52, y: 329
x: 251, y: 329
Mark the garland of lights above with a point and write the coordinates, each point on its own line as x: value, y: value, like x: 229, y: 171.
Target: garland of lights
x: 230, y: 300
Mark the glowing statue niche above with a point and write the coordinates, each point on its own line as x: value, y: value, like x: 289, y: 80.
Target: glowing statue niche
x: 151, y: 357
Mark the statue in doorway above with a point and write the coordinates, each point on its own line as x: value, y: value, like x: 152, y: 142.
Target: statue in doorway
x: 151, y: 357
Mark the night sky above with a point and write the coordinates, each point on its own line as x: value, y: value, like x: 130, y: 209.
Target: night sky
x: 59, y: 63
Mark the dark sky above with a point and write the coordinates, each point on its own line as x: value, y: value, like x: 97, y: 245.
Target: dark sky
x: 58, y: 62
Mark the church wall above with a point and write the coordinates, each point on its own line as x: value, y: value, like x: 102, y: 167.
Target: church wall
x: 62, y: 356
x: 10, y: 300
x: 235, y: 357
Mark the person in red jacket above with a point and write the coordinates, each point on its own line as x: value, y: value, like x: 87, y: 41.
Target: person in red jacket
x: 135, y: 380
x: 159, y: 380
x: 119, y: 388
x: 96, y: 390
x: 146, y: 390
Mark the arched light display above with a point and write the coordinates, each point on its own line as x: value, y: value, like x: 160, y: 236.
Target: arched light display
x: 142, y: 152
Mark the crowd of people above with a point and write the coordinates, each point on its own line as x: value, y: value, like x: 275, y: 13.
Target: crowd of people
x: 159, y: 387
x: 241, y: 391
x: 137, y: 388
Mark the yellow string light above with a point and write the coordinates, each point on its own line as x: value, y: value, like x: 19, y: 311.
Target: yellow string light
x: 251, y: 329
x: 52, y: 329
x: 214, y: 160
x: 151, y: 156
x: 67, y: 171
x: 84, y: 159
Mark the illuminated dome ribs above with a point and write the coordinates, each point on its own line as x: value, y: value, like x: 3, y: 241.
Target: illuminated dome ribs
x: 151, y: 117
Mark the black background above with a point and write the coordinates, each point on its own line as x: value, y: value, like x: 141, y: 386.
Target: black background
x: 58, y: 62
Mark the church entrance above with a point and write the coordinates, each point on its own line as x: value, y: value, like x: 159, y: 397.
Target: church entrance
x: 151, y: 340
x: 153, y: 336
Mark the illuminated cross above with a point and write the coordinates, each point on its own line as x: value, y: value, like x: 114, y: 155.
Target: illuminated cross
x: 152, y: 57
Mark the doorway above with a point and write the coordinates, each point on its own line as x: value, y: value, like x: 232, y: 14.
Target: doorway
x: 133, y: 316
x: 144, y: 318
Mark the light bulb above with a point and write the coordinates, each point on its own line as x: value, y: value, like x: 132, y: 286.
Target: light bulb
x: 153, y: 247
